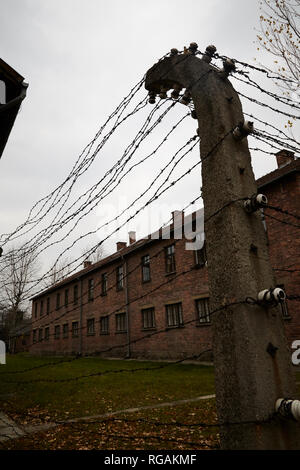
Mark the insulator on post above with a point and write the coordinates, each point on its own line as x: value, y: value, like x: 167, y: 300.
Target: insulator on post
x: 209, y: 52
x: 256, y: 202
x: 243, y: 129
x: 176, y: 91
x: 271, y: 297
x: 288, y: 408
x: 193, y: 47
x: 174, y: 51
x: 186, y: 99
x: 194, y: 114
x: 152, y: 96
x: 228, y: 67
x: 163, y: 92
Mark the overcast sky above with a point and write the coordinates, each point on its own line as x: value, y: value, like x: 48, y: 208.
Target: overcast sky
x: 80, y: 58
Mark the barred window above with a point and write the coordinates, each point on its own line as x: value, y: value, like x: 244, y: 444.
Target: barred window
x: 170, y: 259
x: 121, y: 322
x: 47, y: 333
x: 41, y: 307
x: 75, y: 294
x: 48, y: 306
x: 146, y: 268
x: 66, y: 297
x: 40, y: 334
x: 75, y: 329
x: 57, y: 331
x: 90, y: 326
x: 65, y: 330
x: 148, y: 318
x: 91, y: 290
x: 202, y: 306
x: 34, y: 336
x: 104, y: 284
x: 200, y: 256
x: 57, y: 301
x: 120, y: 278
x: 174, y: 314
x: 104, y: 325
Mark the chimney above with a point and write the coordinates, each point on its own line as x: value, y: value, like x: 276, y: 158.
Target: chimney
x: 121, y: 245
x: 132, y: 237
x: 284, y: 157
x: 87, y: 263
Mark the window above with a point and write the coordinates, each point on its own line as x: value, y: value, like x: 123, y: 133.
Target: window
x: 104, y: 325
x: 48, y: 305
x: 91, y: 290
x: 148, y: 318
x: 174, y: 314
x: 65, y: 330
x: 57, y: 301
x: 40, y: 334
x: 75, y: 329
x: 35, y: 310
x: 120, y: 278
x: 121, y: 322
x: 104, y: 284
x: 57, y: 331
x: 34, y: 336
x: 90, y: 326
x: 47, y: 333
x: 200, y: 256
x: 75, y: 294
x: 66, y: 297
x: 202, y: 306
x: 146, y: 268
x: 41, y: 308
x: 170, y: 259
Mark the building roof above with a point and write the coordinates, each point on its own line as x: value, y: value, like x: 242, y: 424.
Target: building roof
x: 120, y: 254
x: 279, y: 173
x: 15, y: 93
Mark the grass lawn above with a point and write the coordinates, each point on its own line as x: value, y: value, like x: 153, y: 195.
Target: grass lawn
x: 45, y: 394
x: 123, y: 385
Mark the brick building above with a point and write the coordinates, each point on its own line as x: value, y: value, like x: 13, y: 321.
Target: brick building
x: 150, y: 299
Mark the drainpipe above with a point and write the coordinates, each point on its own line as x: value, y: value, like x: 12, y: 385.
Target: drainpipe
x: 128, y: 355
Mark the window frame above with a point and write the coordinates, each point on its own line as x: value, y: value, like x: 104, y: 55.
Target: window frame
x: 206, y: 317
x: 120, y: 278
x: 178, y: 315
x: 75, y: 294
x: 146, y: 268
x: 170, y: 262
x: 90, y: 321
x: 75, y: 331
x: 57, y: 301
x: 65, y: 331
x: 90, y: 290
x: 119, y: 316
x: 104, y: 283
x: 104, y: 319
x: 57, y: 332
x: 145, y: 324
x: 47, y: 333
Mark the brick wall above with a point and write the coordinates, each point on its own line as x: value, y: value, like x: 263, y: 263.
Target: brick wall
x: 160, y: 341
